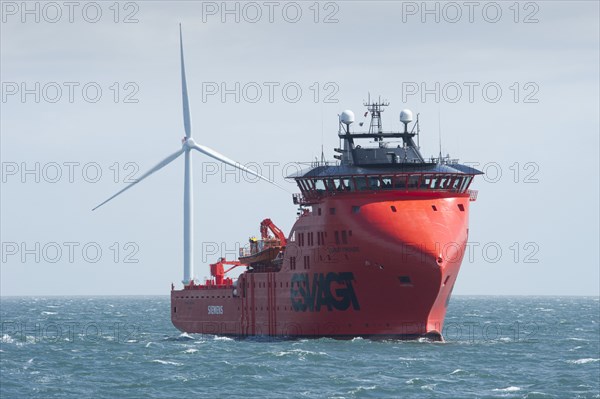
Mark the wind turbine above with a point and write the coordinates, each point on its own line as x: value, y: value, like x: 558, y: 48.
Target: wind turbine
x: 188, y: 145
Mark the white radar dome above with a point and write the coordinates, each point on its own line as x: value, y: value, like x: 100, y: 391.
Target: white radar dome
x: 347, y: 117
x: 406, y: 116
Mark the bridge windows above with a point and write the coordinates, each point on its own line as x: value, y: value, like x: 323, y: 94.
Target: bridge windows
x: 317, y: 187
x: 413, y: 182
x: 386, y: 183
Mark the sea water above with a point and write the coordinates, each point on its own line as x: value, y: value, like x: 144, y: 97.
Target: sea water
x: 126, y: 347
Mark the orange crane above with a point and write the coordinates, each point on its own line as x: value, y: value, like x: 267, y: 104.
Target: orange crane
x: 267, y: 225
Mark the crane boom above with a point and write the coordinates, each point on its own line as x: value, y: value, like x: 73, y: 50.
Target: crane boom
x: 267, y: 225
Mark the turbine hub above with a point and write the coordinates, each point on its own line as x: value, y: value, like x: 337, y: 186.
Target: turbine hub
x: 189, y: 143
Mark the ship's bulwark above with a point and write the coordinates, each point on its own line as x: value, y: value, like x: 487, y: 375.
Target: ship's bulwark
x: 375, y: 265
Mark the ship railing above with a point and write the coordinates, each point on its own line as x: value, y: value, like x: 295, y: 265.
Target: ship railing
x: 472, y: 194
x: 313, y: 197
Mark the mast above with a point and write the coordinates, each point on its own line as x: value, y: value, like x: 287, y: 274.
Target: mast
x: 375, y: 109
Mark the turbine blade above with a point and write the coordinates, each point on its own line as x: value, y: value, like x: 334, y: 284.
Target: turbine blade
x: 219, y: 157
x: 159, y: 166
x: 187, y: 123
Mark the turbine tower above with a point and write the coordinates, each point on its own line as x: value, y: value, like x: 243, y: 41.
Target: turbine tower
x: 188, y: 145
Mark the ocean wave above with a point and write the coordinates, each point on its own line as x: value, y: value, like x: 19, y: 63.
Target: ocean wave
x: 536, y: 394
x: 416, y: 381
x: 301, y: 353
x: 7, y: 339
x: 583, y: 361
x: 166, y: 362
x: 508, y: 389
x: 361, y: 388
x: 190, y: 350
x: 220, y: 338
x: 180, y: 337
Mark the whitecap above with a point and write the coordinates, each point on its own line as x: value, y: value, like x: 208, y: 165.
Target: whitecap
x: 508, y: 389
x: 583, y: 361
x: 48, y: 313
x: 190, y: 350
x: 219, y: 338
x: 300, y: 352
x: 361, y: 388
x: 148, y: 344
x: 458, y: 371
x: 7, y: 339
x: 166, y: 362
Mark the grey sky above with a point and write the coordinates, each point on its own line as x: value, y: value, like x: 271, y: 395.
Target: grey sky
x: 549, y: 134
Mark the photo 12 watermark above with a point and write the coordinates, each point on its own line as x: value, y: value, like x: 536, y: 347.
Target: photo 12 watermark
x: 70, y: 92
x: 270, y: 92
x: 73, y: 252
x: 53, y: 172
x: 470, y: 92
x: 454, y: 12
x: 18, y: 332
x: 254, y: 12
x: 70, y: 12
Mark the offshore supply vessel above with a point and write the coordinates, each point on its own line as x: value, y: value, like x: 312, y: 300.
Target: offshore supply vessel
x: 375, y: 251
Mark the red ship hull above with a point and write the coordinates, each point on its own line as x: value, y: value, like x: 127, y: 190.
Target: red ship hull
x: 374, y: 264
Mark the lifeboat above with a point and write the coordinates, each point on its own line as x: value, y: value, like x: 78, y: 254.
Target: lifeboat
x: 267, y: 250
